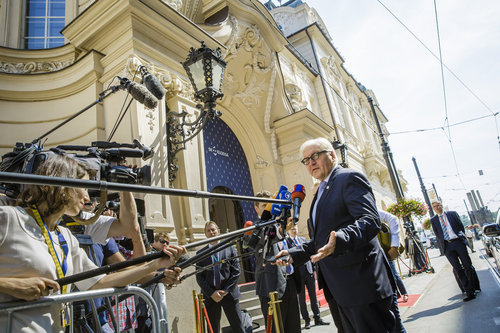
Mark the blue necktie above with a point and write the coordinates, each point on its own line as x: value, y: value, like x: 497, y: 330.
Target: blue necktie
x: 446, y: 234
x: 216, y: 273
x: 289, y: 268
x: 321, y: 188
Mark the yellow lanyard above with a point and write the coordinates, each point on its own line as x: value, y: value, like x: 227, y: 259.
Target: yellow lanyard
x: 50, y: 245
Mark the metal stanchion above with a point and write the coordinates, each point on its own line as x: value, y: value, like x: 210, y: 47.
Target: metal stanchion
x: 201, y: 306
x: 196, y: 312
x: 275, y: 305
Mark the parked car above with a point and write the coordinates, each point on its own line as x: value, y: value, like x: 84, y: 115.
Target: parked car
x: 487, y: 242
x: 492, y: 230
x: 432, y: 242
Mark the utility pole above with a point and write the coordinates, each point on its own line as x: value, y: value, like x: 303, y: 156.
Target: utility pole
x: 435, y: 191
x: 422, y: 187
x: 396, y: 184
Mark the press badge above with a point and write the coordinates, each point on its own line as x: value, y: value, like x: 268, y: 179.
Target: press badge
x: 65, y: 316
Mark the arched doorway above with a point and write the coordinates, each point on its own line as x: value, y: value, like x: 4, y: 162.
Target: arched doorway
x: 227, y: 214
x: 227, y: 172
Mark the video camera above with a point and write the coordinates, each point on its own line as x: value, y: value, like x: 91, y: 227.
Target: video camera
x: 106, y: 158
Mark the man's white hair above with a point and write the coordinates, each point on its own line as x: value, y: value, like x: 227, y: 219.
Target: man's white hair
x: 322, y: 143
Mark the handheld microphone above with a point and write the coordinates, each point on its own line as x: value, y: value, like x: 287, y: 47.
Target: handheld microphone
x: 248, y: 224
x: 298, y: 195
x: 139, y: 93
x: 267, y: 213
x: 283, y: 194
x: 152, y: 83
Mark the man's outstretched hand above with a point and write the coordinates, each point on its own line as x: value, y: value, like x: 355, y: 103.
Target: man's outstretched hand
x: 280, y: 262
x: 327, y: 249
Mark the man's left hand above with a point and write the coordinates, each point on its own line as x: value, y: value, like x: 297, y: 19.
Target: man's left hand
x: 327, y: 249
x: 393, y: 253
x: 171, y: 277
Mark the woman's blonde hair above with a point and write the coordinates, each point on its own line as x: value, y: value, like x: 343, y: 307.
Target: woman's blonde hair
x: 56, y: 197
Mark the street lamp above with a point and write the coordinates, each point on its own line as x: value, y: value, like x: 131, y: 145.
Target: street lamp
x: 205, y: 69
x: 342, y: 148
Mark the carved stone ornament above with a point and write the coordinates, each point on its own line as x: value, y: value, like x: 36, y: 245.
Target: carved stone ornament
x: 33, y: 67
x: 261, y: 163
x: 294, y: 93
x: 175, y: 4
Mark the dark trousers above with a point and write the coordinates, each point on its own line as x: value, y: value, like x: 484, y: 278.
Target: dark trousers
x: 231, y: 309
x: 456, y: 253
x: 374, y: 317
x: 398, y: 327
x: 397, y: 277
x: 289, y: 308
x: 310, y: 284
x: 334, y: 310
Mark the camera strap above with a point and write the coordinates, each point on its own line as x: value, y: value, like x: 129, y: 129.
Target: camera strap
x: 60, y: 268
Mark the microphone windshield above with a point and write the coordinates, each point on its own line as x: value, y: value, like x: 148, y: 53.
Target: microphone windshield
x: 154, y: 85
x: 142, y: 95
x: 298, y: 192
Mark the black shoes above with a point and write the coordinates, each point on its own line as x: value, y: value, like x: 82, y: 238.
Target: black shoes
x: 320, y: 321
x: 308, y: 326
x: 469, y: 298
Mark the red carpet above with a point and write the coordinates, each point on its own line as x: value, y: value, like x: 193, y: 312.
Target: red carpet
x: 412, y: 299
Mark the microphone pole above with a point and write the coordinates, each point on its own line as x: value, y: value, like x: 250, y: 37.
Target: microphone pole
x: 194, y: 259
x: 102, y: 96
x: 124, y: 264
x: 100, y: 185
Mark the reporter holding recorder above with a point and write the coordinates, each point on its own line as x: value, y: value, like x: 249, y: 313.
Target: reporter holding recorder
x: 34, y: 250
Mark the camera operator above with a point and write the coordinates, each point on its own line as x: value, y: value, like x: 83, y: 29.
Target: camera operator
x: 34, y: 250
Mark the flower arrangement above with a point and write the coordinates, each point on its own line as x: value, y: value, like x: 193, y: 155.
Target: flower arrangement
x: 407, y: 208
x: 427, y: 224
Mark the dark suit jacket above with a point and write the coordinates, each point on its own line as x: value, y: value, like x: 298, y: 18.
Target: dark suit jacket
x: 358, y: 271
x: 304, y: 270
x: 230, y: 273
x: 455, y: 223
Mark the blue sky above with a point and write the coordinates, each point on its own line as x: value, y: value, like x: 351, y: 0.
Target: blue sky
x: 407, y: 81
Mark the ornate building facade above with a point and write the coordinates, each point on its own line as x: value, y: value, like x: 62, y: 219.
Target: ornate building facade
x: 284, y: 83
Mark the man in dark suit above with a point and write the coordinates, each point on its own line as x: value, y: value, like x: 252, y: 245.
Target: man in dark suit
x: 269, y: 278
x: 353, y: 269
x: 307, y: 280
x: 219, y: 284
x: 450, y: 233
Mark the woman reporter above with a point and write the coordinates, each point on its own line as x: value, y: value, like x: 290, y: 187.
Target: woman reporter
x: 34, y: 250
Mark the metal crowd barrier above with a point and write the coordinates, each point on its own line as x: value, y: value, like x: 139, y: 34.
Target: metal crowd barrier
x: 11, y: 307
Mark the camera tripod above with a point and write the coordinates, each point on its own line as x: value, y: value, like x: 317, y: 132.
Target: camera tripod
x: 419, y: 259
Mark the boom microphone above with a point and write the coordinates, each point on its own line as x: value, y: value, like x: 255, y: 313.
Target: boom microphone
x: 298, y: 195
x: 152, y: 83
x: 139, y: 93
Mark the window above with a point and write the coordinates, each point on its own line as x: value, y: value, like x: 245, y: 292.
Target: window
x: 44, y: 21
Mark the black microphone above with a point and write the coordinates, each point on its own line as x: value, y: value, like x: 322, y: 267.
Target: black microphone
x: 152, y: 83
x: 298, y: 196
x: 139, y: 93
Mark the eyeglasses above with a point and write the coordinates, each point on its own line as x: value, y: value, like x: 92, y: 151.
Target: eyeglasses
x: 163, y: 241
x: 313, y: 157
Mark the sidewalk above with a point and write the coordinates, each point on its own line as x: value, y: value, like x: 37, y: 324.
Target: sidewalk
x: 440, y: 307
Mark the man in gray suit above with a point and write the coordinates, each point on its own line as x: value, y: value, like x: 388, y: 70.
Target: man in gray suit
x: 219, y: 284
x: 352, y: 267
x: 307, y: 280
